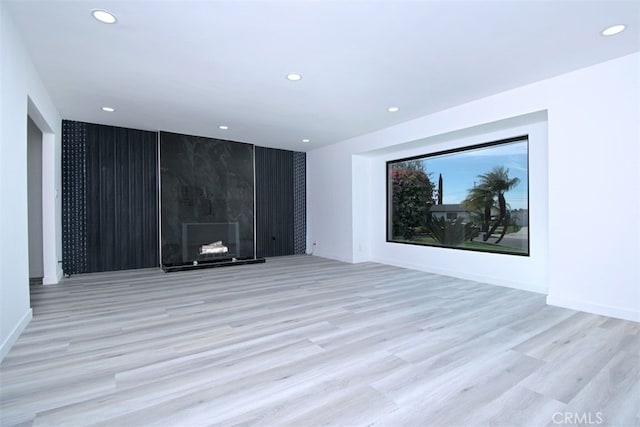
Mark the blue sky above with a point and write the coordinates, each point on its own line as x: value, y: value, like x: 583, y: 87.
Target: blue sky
x: 460, y: 171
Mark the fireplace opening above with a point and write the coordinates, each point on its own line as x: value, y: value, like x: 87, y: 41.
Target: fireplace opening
x: 210, y: 241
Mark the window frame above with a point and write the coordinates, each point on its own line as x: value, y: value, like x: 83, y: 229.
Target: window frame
x: 484, y: 145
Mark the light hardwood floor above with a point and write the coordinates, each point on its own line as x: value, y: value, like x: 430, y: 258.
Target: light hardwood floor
x: 305, y: 341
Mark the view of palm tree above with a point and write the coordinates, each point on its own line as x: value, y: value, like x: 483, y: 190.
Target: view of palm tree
x: 492, y: 186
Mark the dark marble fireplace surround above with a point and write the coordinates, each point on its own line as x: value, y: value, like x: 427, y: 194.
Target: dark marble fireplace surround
x: 207, y: 190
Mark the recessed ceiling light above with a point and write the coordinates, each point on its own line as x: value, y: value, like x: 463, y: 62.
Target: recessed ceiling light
x: 223, y: 127
x: 306, y: 140
x: 294, y: 77
x: 104, y: 16
x: 613, y: 30
x: 108, y: 109
x: 393, y: 109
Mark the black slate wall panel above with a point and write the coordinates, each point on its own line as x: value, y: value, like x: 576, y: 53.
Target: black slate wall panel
x: 204, y: 181
x: 274, y: 202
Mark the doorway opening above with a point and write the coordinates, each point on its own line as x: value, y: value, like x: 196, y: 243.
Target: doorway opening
x: 34, y: 198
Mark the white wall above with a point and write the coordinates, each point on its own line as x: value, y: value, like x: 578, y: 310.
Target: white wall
x: 23, y: 94
x: 593, y: 152
x: 34, y: 196
x: 331, y: 205
x: 595, y: 141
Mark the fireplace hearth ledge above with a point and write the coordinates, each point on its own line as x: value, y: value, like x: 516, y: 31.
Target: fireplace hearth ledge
x: 210, y: 264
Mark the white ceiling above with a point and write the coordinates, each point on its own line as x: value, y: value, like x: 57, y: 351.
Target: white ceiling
x: 190, y: 66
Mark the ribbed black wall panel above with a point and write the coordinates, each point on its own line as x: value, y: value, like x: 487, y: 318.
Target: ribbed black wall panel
x: 274, y: 202
x: 109, y: 198
x: 122, y: 207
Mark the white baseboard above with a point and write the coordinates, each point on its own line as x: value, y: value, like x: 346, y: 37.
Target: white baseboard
x: 333, y: 257
x: 589, y: 307
x: 360, y: 259
x: 53, y: 279
x: 48, y: 280
x: 474, y: 277
x: 15, y: 333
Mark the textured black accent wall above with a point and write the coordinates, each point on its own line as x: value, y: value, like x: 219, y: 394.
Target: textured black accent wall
x: 110, y: 197
x: 207, y: 182
x: 122, y: 204
x: 74, y: 197
x: 299, y: 203
x: 281, y: 224
x: 110, y: 209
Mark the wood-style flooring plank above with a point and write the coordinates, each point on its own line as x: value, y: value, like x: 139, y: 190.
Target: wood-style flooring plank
x: 306, y: 341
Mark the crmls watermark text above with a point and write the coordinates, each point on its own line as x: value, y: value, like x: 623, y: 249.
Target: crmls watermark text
x: 577, y: 418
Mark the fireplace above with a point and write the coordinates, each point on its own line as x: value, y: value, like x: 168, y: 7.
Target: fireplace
x: 207, y: 204
x: 210, y: 241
